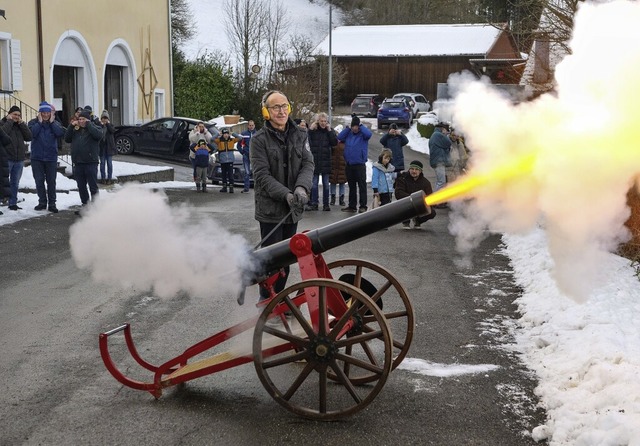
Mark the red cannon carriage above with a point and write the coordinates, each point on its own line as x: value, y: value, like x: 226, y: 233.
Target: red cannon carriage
x: 323, y: 347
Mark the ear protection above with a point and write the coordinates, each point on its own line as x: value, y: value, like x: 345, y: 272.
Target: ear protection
x: 265, y: 110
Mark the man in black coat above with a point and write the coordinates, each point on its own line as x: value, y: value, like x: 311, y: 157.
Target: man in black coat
x: 17, y: 130
x: 412, y: 181
x: 322, y: 139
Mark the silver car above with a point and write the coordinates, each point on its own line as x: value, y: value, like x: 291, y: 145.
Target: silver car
x: 417, y: 102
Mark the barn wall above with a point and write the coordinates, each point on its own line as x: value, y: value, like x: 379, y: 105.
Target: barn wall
x: 390, y: 75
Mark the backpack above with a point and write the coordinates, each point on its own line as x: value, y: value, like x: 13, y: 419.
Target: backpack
x: 202, y: 156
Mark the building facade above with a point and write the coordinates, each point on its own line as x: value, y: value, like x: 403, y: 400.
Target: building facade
x: 112, y: 55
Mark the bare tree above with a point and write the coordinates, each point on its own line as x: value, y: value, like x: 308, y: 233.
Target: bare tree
x: 275, y: 29
x: 244, y: 25
x: 181, y: 26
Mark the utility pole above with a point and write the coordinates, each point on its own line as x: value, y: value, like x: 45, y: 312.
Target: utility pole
x: 330, y: 81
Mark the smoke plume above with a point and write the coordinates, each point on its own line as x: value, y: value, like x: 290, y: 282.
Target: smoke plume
x: 133, y: 238
x: 585, y: 138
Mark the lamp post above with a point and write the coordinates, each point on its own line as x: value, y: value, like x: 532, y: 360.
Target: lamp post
x: 330, y: 79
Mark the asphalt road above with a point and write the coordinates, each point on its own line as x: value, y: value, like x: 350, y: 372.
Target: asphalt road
x: 56, y: 389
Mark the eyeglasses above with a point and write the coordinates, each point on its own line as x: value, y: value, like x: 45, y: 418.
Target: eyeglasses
x: 279, y: 108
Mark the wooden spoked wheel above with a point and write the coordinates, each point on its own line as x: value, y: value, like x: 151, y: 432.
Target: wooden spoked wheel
x: 293, y: 359
x: 390, y: 296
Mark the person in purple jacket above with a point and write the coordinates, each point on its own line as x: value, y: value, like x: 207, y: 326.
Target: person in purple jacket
x: 356, y: 148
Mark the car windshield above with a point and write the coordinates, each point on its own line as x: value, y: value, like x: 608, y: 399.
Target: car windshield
x: 393, y: 105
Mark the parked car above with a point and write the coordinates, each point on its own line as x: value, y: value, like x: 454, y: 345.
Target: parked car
x: 165, y: 137
x: 395, y: 111
x: 366, y: 104
x: 417, y: 102
x: 214, y: 173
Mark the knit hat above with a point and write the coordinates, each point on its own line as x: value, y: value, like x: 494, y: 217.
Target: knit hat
x: 105, y: 114
x: 355, y: 121
x: 416, y: 165
x: 85, y: 114
x: 14, y: 108
x: 44, y: 107
x: 202, y: 142
x: 225, y: 131
x: 393, y: 126
x: 88, y: 108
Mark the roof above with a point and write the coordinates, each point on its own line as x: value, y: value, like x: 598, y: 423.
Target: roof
x: 410, y: 40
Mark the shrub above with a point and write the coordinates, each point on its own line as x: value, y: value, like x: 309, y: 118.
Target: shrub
x: 425, y: 130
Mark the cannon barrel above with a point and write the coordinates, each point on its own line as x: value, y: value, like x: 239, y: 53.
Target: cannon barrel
x: 279, y: 255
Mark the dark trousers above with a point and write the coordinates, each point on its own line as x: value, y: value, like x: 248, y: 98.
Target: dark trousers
x: 357, y: 175
x: 45, y: 171
x: 227, y: 174
x: 86, y: 174
x: 385, y: 198
x: 283, y: 232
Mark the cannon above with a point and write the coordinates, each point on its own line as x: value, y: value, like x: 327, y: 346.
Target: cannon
x: 324, y: 347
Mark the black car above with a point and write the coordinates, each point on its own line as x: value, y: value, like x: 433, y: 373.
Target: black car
x: 214, y: 172
x: 366, y: 104
x: 166, y: 137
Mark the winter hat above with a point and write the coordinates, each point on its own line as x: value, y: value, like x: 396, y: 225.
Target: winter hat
x: 88, y: 108
x: 355, y: 121
x: 79, y: 109
x: 85, y: 114
x: 393, y: 126
x: 225, y: 131
x: 44, y: 107
x: 105, y: 114
x: 202, y: 142
x: 443, y: 125
x: 14, y: 108
x: 416, y: 165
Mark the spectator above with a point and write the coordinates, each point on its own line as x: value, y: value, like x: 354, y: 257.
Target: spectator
x: 5, y: 189
x: 282, y: 174
x: 201, y: 162
x: 244, y: 147
x: 107, y: 148
x: 459, y: 157
x: 44, y: 156
x: 199, y: 132
x: 382, y: 177
x: 412, y: 181
x: 84, y: 137
x: 226, y: 156
x: 17, y: 130
x: 301, y: 123
x: 395, y: 140
x: 322, y: 139
x: 338, y: 176
x: 439, y: 155
x: 356, y: 147
x: 93, y: 117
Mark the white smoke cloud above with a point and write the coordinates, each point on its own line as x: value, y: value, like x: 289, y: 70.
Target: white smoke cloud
x: 133, y: 238
x: 586, y: 139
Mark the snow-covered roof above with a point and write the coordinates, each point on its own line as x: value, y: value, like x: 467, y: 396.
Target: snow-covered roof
x: 410, y: 40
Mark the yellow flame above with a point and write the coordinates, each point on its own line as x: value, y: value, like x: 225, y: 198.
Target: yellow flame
x: 464, y: 187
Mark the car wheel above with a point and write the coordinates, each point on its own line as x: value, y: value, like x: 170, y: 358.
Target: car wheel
x: 124, y: 145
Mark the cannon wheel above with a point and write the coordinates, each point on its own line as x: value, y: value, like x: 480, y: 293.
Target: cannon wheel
x: 289, y: 376
x: 384, y: 289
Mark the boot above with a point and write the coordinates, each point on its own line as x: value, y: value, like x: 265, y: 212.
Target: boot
x: 204, y: 187
x: 341, y: 200
x: 333, y: 199
x: 231, y: 189
x: 197, y: 187
x: 224, y: 189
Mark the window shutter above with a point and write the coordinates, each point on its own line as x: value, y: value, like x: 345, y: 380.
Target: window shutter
x: 16, y: 66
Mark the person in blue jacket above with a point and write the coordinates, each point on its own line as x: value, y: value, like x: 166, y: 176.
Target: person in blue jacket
x: 356, y: 147
x: 382, y: 177
x: 45, y: 131
x: 439, y: 154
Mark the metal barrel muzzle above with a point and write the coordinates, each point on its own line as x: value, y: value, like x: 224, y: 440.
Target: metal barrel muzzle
x: 276, y: 256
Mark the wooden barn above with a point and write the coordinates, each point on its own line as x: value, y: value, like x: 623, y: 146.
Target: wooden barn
x: 387, y: 59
